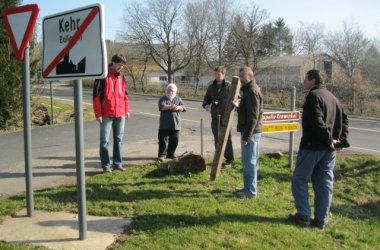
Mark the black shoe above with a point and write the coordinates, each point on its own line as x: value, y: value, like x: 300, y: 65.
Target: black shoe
x: 301, y: 221
x: 313, y: 223
x: 242, y: 194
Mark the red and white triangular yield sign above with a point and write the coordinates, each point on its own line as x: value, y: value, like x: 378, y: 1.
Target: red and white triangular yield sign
x: 20, y: 22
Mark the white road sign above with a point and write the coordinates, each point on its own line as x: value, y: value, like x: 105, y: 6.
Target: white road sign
x: 74, y: 44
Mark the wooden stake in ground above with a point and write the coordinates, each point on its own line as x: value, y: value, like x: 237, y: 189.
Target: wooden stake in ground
x: 225, y: 128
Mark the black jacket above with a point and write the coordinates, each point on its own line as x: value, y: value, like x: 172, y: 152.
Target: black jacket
x: 217, y: 96
x: 323, y: 120
x: 250, y: 111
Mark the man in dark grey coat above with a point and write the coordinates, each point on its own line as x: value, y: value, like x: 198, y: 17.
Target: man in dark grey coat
x: 324, y: 130
x: 250, y: 119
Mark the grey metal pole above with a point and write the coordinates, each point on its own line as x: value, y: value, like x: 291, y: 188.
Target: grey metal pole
x: 201, y: 136
x: 79, y: 142
x: 291, y: 135
x: 51, y: 104
x: 27, y: 134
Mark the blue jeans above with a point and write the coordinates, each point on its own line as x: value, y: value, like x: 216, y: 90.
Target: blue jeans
x: 117, y: 125
x: 250, y: 162
x: 317, y: 166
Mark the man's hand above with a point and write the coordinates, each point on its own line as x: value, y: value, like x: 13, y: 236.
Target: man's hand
x: 244, y: 142
x: 236, y: 103
x: 99, y: 119
x: 208, y: 108
x: 127, y: 115
x: 334, y: 143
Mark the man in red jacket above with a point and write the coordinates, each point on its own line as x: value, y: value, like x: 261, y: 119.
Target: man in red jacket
x: 111, y: 108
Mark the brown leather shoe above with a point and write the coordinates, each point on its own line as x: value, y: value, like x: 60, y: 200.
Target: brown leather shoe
x: 107, y: 170
x: 118, y: 167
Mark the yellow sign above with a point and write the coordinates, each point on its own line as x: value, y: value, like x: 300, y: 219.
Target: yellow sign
x: 280, y: 127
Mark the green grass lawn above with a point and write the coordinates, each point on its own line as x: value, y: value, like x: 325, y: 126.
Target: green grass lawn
x: 192, y: 212
x: 63, y: 111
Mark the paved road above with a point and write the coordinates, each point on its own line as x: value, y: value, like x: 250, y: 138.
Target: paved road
x: 363, y: 132
x: 53, y: 148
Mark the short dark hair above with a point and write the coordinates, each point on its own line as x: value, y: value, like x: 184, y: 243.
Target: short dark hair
x: 315, y: 74
x: 220, y: 69
x: 246, y: 70
x: 118, y: 58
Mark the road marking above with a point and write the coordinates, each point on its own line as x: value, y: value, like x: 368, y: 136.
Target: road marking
x: 155, y: 104
x: 364, y: 129
x: 191, y: 108
x: 190, y: 120
x: 143, y: 113
x: 366, y: 149
x: 56, y: 107
x: 150, y: 114
x: 67, y: 100
x: 368, y: 120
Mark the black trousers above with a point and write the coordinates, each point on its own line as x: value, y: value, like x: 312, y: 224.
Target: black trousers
x: 229, y: 152
x: 167, y: 143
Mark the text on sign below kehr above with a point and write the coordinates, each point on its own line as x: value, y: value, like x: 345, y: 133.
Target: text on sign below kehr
x: 66, y: 26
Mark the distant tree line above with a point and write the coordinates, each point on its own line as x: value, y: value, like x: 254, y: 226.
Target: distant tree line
x: 200, y: 34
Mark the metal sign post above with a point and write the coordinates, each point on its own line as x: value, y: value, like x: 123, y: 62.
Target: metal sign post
x: 273, y: 123
x: 27, y: 134
x: 79, y: 150
x: 74, y: 48
x: 291, y: 134
x: 19, y: 22
x: 51, y: 105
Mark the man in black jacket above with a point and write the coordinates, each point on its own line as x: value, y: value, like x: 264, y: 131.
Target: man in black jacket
x: 215, y: 101
x: 324, y: 130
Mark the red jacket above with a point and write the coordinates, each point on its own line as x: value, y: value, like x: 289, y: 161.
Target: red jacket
x: 110, y: 97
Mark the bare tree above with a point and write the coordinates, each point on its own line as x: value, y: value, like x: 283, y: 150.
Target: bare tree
x: 158, y: 26
x: 198, y: 23
x: 137, y: 61
x: 222, y: 14
x: 309, y: 40
x: 347, y: 49
x: 244, y: 38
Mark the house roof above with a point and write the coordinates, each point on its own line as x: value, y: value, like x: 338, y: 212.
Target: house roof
x: 288, y: 61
